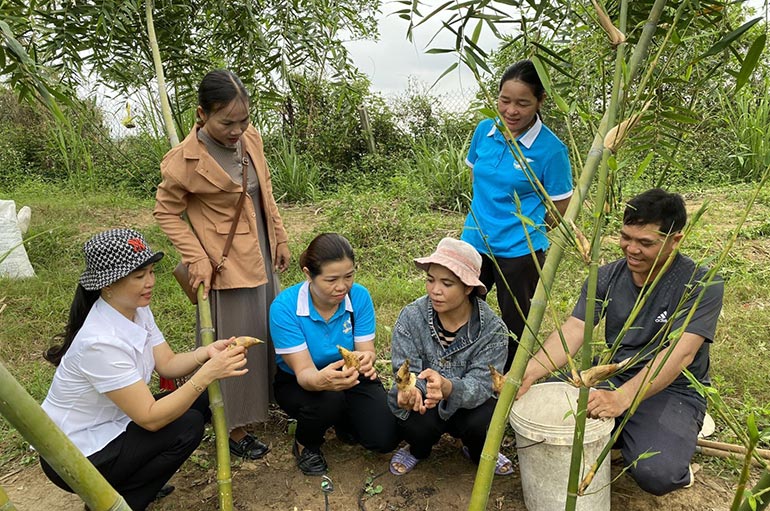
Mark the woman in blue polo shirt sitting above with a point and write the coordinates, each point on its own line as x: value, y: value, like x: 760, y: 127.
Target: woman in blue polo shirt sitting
x: 308, y: 322
x: 507, y: 189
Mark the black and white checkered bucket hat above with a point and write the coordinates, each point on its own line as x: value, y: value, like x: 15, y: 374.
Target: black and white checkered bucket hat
x: 113, y: 254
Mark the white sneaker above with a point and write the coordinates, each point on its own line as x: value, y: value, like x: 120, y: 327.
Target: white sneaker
x: 693, y: 468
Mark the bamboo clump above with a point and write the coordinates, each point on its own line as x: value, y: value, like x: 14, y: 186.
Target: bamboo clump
x: 527, y: 346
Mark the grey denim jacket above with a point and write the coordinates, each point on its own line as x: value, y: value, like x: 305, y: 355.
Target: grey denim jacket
x: 465, y: 362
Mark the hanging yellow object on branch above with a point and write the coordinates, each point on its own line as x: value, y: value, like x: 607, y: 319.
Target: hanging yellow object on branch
x: 128, y: 120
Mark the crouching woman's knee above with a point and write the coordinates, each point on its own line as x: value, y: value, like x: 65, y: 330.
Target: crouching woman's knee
x: 383, y: 438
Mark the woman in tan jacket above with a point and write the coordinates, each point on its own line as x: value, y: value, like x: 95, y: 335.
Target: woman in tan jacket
x: 202, y: 179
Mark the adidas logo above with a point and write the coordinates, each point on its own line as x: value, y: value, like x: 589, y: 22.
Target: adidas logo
x: 662, y: 317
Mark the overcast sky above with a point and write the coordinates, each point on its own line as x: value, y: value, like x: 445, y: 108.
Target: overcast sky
x: 390, y: 61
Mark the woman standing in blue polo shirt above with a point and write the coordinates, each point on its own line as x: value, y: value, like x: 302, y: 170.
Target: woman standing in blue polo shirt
x: 507, y: 190
x: 308, y: 321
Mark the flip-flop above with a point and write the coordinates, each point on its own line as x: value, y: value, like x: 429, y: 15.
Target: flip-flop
x: 404, y: 458
x: 503, y: 466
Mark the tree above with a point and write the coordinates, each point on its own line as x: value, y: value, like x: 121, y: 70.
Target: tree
x: 261, y: 41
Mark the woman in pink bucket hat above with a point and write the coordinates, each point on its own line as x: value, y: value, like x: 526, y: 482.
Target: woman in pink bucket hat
x: 449, y: 338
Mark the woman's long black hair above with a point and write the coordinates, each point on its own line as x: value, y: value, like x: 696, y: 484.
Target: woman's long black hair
x: 79, y: 309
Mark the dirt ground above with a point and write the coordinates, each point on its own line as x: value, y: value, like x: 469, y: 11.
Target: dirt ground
x: 443, y: 482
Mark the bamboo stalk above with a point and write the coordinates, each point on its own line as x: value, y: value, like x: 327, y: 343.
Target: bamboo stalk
x: 576, y: 487
x: 722, y: 446
x: 224, y: 477
x: 5, y: 502
x: 24, y: 414
x: 761, y: 489
x: 165, y: 107
x: 743, y: 479
x: 217, y: 404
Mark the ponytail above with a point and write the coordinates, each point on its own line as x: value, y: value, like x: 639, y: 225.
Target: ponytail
x: 81, y: 306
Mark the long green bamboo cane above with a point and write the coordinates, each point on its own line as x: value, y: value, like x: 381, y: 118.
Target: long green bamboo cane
x: 573, y: 481
x: 5, y: 502
x: 744, y: 476
x: 224, y: 477
x: 485, y: 472
x: 165, y: 107
x: 24, y: 414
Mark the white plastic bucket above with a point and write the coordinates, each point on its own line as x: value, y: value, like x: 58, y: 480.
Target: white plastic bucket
x: 544, y: 430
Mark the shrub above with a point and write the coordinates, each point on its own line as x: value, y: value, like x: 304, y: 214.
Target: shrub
x: 442, y: 170
x: 295, y: 176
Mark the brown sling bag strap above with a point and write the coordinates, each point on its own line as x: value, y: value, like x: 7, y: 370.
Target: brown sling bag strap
x: 238, y: 209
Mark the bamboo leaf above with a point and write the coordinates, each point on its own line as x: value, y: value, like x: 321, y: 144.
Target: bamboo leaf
x: 477, y: 32
x: 446, y: 72
x: 751, y: 423
x: 680, y: 117
x: 543, y: 74
x: 729, y: 38
x: 643, y: 166
x: 550, y: 52
x: 430, y: 14
x: 488, y: 113
x: 751, y: 61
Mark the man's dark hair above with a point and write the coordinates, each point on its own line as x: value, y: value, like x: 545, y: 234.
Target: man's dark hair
x: 657, y: 206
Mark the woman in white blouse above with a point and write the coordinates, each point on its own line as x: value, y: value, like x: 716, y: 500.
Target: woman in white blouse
x: 100, y: 397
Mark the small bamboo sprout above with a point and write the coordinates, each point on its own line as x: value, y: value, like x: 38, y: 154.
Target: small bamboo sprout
x: 246, y: 341
x: 498, y: 379
x: 405, y: 380
x: 597, y: 374
x: 617, y: 134
x: 583, y: 245
x: 616, y: 36
x: 350, y: 358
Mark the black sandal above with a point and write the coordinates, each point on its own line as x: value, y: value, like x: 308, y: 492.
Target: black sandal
x: 248, y: 447
x: 310, y: 461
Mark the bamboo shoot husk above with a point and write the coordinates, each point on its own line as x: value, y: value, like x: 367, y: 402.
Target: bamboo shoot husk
x: 616, y: 36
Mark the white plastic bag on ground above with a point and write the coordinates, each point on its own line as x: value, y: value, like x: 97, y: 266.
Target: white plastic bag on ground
x: 14, y: 262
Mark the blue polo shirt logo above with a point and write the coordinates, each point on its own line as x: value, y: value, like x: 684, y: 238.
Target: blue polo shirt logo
x: 347, y: 326
x: 517, y: 165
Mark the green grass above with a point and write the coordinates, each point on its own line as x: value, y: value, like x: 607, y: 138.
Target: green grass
x: 388, y: 228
